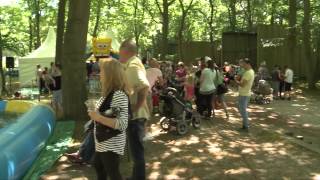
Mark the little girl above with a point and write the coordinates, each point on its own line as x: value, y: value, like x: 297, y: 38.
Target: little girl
x: 189, y: 88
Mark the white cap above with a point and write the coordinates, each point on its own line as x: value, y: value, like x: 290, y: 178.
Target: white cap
x: 206, y: 59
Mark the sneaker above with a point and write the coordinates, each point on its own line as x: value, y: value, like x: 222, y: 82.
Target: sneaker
x: 75, y: 158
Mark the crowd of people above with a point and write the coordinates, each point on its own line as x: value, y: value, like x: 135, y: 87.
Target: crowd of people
x: 130, y: 95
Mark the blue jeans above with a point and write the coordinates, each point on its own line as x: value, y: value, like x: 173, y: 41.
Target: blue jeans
x: 243, y: 104
x: 135, y: 136
x: 87, y: 148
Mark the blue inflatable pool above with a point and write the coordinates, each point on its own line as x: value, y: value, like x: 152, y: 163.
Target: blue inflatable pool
x: 22, y: 140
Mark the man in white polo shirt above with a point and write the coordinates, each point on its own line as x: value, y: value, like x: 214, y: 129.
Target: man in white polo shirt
x: 288, y: 80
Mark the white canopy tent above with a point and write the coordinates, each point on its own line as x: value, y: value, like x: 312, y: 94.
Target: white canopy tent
x: 44, y: 55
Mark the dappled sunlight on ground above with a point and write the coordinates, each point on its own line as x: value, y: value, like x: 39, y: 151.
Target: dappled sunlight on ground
x: 316, y: 176
x: 218, y: 151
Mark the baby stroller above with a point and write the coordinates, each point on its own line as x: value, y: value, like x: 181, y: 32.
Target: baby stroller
x: 178, y: 86
x: 176, y: 112
x: 262, y: 92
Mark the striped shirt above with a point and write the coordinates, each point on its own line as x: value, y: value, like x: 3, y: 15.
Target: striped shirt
x: 115, y: 144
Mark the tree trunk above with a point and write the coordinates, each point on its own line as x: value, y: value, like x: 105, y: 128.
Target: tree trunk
x: 307, y: 44
x: 232, y: 15
x: 211, y: 28
x: 3, y: 78
x: 96, y: 26
x: 165, y: 29
x: 30, y: 35
x: 292, y: 38
x: 317, y: 66
x: 73, y: 65
x: 136, y: 23
x: 185, y: 11
x: 60, y: 31
x: 249, y: 20
x: 180, y: 35
x: 37, y: 26
x: 273, y: 9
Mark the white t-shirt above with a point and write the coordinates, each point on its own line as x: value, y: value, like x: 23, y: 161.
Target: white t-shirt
x: 38, y: 74
x: 289, y: 76
x: 152, y: 75
x: 208, y: 78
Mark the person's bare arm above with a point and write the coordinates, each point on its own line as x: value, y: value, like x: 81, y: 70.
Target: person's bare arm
x: 242, y: 82
x: 161, y: 80
x: 53, y: 81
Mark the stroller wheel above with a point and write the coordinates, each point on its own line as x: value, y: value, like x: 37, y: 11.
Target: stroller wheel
x: 259, y: 100
x: 165, y: 124
x: 182, y: 128
x: 268, y: 101
x: 196, y: 122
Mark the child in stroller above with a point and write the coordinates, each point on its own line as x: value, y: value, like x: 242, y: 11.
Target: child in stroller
x: 262, y: 92
x: 176, y: 112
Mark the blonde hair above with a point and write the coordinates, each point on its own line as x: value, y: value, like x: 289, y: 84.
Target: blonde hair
x: 190, y: 79
x: 112, y: 77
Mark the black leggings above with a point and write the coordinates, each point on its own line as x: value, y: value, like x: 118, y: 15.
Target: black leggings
x: 206, y: 104
x: 107, y: 165
x: 281, y: 88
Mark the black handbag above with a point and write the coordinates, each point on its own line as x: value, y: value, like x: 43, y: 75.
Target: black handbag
x: 103, y: 133
x: 222, y: 89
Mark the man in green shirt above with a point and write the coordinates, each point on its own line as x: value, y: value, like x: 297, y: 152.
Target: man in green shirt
x: 245, y: 85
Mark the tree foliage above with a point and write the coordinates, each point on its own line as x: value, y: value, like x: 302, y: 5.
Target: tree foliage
x: 155, y: 24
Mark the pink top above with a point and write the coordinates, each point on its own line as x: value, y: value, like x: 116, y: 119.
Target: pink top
x: 189, y: 92
x: 181, y: 73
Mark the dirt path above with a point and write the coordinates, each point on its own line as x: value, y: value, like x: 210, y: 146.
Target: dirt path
x: 219, y: 151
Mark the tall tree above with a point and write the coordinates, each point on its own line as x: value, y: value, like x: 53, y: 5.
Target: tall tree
x: 73, y: 65
x: 164, y: 12
x: 184, y: 13
x: 60, y: 30
x: 307, y: 44
x: 30, y: 34
x: 37, y: 22
x: 210, y: 20
x: 97, y: 20
x: 273, y: 12
x: 138, y: 15
x: 249, y: 16
x: 3, y: 79
x: 292, y: 38
x: 232, y: 14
